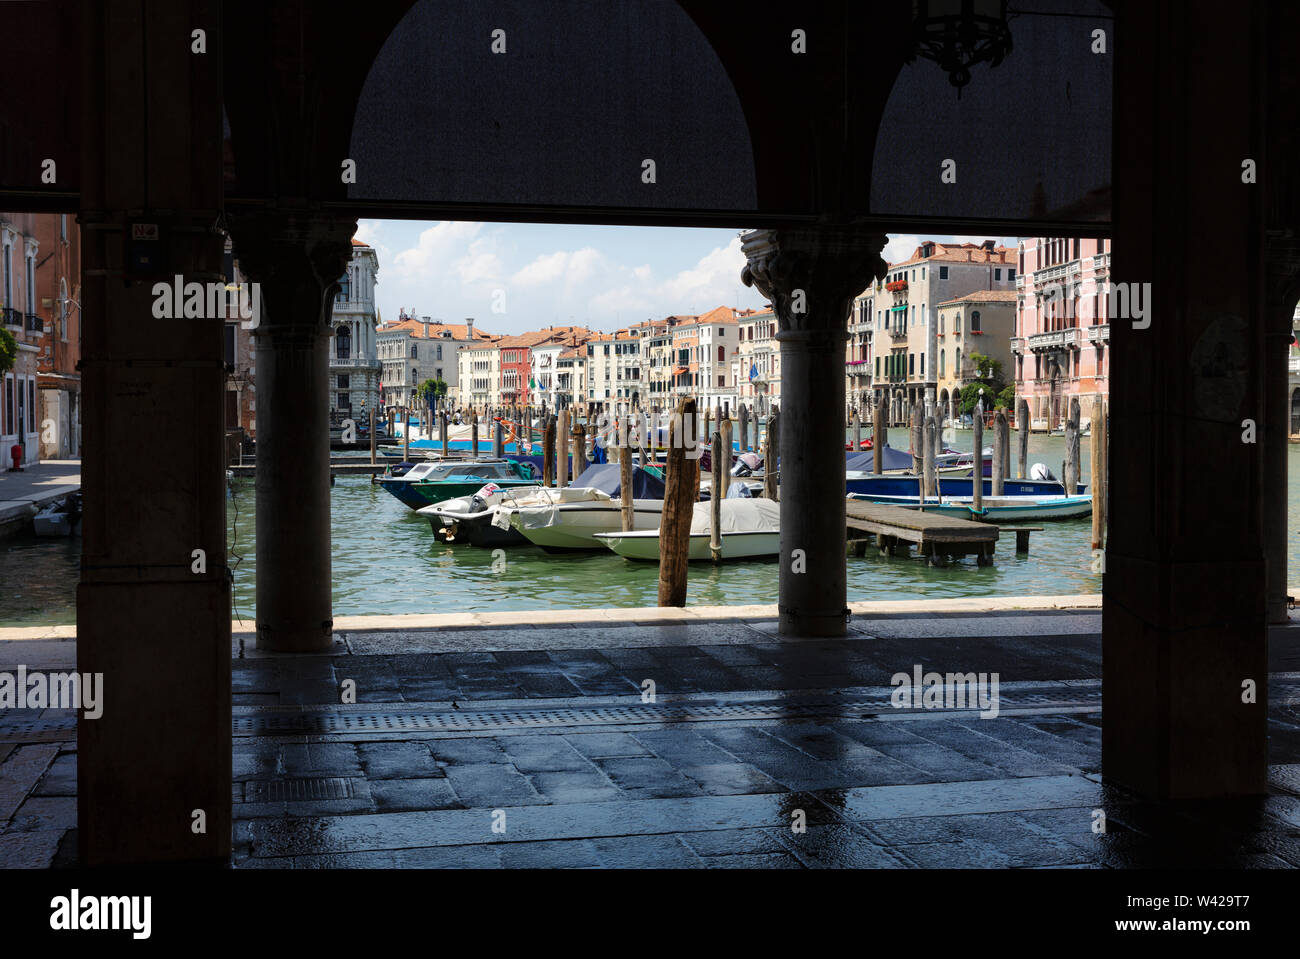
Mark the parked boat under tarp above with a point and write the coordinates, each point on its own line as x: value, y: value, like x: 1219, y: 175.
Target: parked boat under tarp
x: 995, y: 508
x: 749, y: 529
x: 572, y: 525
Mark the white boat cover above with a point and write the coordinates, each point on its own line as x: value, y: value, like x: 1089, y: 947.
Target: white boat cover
x: 739, y: 516
x: 542, y: 509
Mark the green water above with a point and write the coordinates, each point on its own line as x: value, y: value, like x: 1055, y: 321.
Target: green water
x: 387, y: 561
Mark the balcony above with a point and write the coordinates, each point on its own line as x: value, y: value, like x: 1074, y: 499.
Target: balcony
x: 1099, y: 334
x: 896, y: 334
x: 858, y: 368
x: 354, y: 363
x: 12, y: 317
x: 897, y: 286
x: 1056, y: 340
x: 1293, y: 364
x: 34, y: 324
x: 1017, y: 345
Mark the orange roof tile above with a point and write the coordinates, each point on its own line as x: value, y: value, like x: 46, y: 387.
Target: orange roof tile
x: 984, y: 296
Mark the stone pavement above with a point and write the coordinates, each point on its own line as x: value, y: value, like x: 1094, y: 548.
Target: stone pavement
x: 533, y: 747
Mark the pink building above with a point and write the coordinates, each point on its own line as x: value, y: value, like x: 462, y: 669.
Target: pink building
x: 1062, y: 335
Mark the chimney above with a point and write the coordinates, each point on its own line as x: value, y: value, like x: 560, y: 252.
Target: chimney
x: 469, y: 328
x: 425, y: 321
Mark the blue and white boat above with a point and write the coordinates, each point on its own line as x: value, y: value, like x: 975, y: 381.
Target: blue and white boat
x: 999, y: 509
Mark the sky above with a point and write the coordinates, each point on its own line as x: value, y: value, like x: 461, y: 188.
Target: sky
x: 539, y: 275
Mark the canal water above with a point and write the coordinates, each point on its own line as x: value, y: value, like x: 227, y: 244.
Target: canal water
x: 387, y: 561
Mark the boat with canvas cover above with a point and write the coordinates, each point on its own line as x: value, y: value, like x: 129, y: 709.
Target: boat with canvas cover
x: 572, y: 525
x: 453, y: 478
x: 749, y: 529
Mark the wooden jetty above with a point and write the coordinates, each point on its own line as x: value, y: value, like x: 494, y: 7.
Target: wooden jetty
x: 937, y: 537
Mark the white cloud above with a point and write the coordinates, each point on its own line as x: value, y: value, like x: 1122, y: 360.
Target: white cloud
x: 436, y: 245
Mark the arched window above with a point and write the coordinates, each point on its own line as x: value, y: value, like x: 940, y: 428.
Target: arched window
x: 415, y: 351
x: 941, y: 354
x: 343, y: 343
x: 975, y: 321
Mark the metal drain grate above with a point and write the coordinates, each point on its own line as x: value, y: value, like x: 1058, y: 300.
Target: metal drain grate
x: 298, y: 790
x: 269, y: 723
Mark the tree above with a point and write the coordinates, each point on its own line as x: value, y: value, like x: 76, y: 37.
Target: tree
x: 431, y: 390
x: 988, y: 377
x: 8, y: 350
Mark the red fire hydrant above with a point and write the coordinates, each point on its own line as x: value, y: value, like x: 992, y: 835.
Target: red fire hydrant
x: 16, y: 453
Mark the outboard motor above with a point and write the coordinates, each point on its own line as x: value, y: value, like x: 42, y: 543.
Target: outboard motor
x: 1039, y: 471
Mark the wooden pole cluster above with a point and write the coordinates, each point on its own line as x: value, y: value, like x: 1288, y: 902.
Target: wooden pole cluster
x: 1072, y: 448
x: 977, y: 477
x: 726, y: 451
x: 771, y: 451
x: 1097, y: 456
x: 373, y: 440
x: 744, y: 427
x: 682, y: 478
x: 1022, y: 421
x: 1001, y: 447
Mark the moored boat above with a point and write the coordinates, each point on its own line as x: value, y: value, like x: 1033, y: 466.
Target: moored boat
x: 749, y: 529
x: 995, y: 508
x: 572, y: 525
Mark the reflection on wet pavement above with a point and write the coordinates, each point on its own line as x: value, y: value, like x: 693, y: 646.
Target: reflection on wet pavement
x: 754, y: 754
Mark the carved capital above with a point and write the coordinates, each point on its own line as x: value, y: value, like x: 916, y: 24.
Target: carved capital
x: 1282, y: 279
x: 296, y: 257
x: 811, y: 276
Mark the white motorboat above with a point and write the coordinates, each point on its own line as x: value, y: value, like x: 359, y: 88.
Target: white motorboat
x: 468, y: 519
x: 995, y: 508
x: 750, y: 529
x: 570, y: 520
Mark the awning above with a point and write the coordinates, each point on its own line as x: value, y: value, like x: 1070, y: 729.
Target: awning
x: 680, y: 370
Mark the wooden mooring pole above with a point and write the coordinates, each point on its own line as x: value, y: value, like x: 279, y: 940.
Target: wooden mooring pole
x: 625, y: 479
x: 562, y: 450
x: 878, y: 435
x: 1097, y: 456
x: 682, y: 477
x: 1001, y: 444
x: 373, y: 440
x: 548, y: 451
x: 928, y: 475
x: 771, y: 451
x: 977, y: 477
x: 1072, y: 448
x: 579, y: 451
x: 1022, y: 424
x: 716, y: 494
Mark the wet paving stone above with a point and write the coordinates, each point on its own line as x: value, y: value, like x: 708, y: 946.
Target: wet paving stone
x: 963, y: 798
x: 838, y: 847
x: 564, y: 854
x: 942, y: 764
x: 733, y: 842
x: 467, y: 752
x: 492, y: 785
x: 648, y: 778
x: 575, y: 787
x: 320, y: 759
x: 543, y: 754
x: 964, y: 854
x: 731, y: 779
x: 395, y: 795
x: 457, y: 827
x: 645, y: 852
x: 606, y: 745
x: 397, y: 760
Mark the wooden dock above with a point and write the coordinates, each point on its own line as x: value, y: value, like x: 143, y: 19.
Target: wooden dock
x: 937, y: 537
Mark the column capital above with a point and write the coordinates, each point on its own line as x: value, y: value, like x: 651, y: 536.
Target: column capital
x: 292, y: 251
x: 1282, y: 279
x: 811, y: 275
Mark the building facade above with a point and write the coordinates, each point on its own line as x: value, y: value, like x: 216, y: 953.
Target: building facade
x: 758, y: 362
x: 983, y: 323
x: 413, y: 350
x: 353, y: 349
x: 58, y: 293
x: 19, y: 316
x: 901, y: 307
x: 1062, y: 326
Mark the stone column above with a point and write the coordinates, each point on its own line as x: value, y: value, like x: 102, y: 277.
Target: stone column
x: 811, y: 277
x: 297, y: 259
x: 1185, y: 670
x: 153, y: 601
x: 1283, y: 289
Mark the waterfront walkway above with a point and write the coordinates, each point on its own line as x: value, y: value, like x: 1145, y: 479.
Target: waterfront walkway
x: 37, y: 485
x: 531, y: 744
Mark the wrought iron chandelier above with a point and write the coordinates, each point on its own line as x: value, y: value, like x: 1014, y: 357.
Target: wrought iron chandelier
x: 958, y: 34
